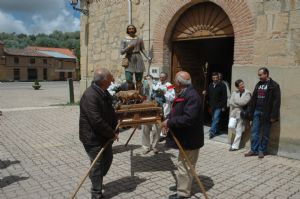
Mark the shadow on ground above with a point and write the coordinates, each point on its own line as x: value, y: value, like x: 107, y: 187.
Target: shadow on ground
x: 158, y: 162
x: 207, y: 182
x: 11, y: 179
x: 123, y: 185
x: 121, y: 148
x: 6, y: 163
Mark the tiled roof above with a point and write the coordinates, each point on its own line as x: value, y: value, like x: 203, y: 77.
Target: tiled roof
x: 64, y: 51
x: 24, y: 52
x: 56, y: 54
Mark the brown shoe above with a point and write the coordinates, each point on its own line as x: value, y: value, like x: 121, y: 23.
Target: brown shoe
x: 145, y: 151
x: 261, y: 155
x: 250, y: 153
x: 155, y: 151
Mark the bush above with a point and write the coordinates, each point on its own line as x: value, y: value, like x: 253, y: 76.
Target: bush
x: 36, y: 85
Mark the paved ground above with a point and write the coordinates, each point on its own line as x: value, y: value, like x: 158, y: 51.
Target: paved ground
x: 21, y: 94
x: 41, y: 157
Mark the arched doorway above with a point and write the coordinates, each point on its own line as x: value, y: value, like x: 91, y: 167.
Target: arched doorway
x: 203, y: 35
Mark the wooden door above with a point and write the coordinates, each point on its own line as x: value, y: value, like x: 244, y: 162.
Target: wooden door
x: 187, y: 56
x: 202, y: 22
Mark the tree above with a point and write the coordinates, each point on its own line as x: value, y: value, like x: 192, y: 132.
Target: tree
x: 70, y: 40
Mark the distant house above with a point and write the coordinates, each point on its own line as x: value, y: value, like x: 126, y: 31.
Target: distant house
x: 41, y: 63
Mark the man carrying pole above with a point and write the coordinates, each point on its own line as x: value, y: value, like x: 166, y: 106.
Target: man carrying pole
x: 185, y: 126
x: 97, y: 125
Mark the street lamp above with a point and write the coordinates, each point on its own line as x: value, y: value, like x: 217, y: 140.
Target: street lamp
x: 74, y: 4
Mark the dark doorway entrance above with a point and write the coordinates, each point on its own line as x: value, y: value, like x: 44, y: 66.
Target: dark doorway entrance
x: 192, y: 55
x: 69, y: 74
x: 62, y: 76
x: 16, y: 74
x: 45, y: 73
x: 203, y: 34
x: 32, y: 74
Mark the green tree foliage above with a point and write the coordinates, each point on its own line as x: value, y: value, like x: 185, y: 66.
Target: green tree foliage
x: 56, y: 39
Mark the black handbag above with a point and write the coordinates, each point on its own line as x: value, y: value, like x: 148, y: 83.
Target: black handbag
x: 245, y: 114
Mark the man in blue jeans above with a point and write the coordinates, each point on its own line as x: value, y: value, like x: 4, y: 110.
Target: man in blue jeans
x: 264, y: 108
x: 217, y: 98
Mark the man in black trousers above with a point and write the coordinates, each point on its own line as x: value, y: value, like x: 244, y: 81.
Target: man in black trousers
x: 97, y: 126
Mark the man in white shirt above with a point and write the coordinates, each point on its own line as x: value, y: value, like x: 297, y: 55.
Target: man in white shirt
x: 168, y: 91
x: 163, y: 93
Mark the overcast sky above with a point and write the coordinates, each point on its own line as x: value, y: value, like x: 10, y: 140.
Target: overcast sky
x: 37, y: 16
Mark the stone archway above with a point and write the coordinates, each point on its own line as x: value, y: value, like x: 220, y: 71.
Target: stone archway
x: 204, y: 36
x: 238, y: 13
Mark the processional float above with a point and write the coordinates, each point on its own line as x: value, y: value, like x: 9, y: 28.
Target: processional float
x: 133, y: 112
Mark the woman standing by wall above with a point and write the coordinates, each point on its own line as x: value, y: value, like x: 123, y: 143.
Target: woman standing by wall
x: 238, y: 100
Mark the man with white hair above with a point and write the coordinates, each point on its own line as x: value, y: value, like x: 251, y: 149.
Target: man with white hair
x: 186, y: 122
x: 97, y: 125
x: 167, y: 91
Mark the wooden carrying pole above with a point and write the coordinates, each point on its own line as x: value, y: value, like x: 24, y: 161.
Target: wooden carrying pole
x: 130, y: 136
x: 204, y: 68
x: 93, y: 163
x: 190, y: 165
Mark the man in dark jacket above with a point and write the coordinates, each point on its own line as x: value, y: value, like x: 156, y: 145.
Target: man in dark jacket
x: 217, y: 98
x: 186, y: 122
x: 264, y: 109
x: 97, y: 126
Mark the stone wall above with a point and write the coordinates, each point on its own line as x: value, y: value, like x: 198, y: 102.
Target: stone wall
x: 277, y: 46
x: 102, y: 32
x: 267, y: 33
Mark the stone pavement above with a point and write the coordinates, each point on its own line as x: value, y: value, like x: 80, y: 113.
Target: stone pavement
x: 41, y: 157
x: 21, y: 94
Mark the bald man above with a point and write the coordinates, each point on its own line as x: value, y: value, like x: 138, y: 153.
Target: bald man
x: 97, y: 125
x: 186, y: 122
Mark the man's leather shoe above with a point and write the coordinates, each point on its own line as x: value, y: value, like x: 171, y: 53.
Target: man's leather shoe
x: 261, y: 155
x: 173, y: 188
x: 250, y: 153
x: 176, y: 196
x: 145, y: 151
x: 155, y: 151
x: 97, y: 196
x: 161, y: 139
x: 211, y: 136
